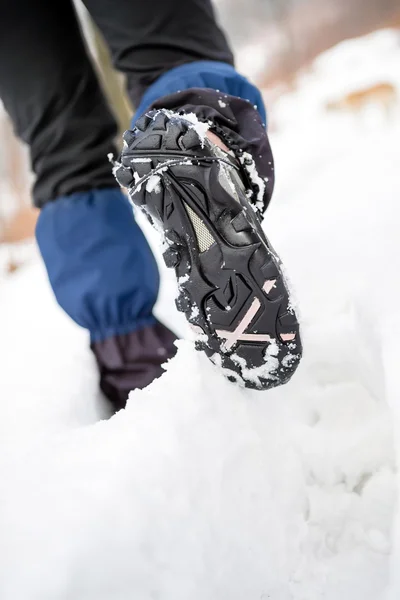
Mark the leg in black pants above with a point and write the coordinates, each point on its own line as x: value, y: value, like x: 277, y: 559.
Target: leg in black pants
x: 99, y: 264
x: 50, y: 90
x: 147, y: 39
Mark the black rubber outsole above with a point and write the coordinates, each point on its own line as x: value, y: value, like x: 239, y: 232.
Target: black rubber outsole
x: 231, y: 287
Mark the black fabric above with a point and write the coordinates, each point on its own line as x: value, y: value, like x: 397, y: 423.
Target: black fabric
x: 50, y: 90
x: 147, y: 39
x: 132, y: 361
x: 237, y: 122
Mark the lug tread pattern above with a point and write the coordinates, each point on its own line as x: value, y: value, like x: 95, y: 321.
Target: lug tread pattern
x: 217, y: 288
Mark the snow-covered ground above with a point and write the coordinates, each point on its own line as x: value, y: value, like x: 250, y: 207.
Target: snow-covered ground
x: 199, y: 490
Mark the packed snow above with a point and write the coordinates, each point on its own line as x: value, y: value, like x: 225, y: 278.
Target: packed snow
x: 199, y: 127
x: 201, y: 490
x: 249, y: 164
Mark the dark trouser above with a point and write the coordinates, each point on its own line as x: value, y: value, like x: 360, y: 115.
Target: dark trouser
x: 50, y: 90
x: 99, y: 264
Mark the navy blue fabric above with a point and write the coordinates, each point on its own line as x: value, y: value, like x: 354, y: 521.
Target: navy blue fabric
x: 203, y: 74
x: 99, y: 263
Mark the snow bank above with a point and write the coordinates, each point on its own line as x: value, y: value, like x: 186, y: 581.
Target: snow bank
x: 199, y: 489
x: 350, y: 66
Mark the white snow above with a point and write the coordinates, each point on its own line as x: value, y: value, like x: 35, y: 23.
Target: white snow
x: 248, y: 163
x: 200, y: 127
x: 183, y: 279
x: 265, y: 371
x: 115, y: 163
x: 153, y: 183
x: 202, y: 490
x: 137, y: 178
x: 350, y: 66
x: 195, y: 312
x: 152, y: 180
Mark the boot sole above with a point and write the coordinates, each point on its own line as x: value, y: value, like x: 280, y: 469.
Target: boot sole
x: 231, y: 286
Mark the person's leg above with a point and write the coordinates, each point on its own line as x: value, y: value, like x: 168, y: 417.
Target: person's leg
x: 147, y: 39
x: 99, y: 263
x: 181, y: 78
x: 49, y: 90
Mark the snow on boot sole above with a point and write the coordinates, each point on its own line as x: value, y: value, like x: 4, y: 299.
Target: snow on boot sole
x: 231, y: 287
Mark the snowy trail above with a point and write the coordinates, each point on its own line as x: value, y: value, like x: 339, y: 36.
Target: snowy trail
x: 198, y: 489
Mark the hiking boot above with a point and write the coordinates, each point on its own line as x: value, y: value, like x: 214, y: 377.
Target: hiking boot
x: 200, y: 195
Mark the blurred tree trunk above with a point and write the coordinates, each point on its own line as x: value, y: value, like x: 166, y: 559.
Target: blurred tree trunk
x: 15, y: 189
x: 291, y: 33
x: 112, y: 82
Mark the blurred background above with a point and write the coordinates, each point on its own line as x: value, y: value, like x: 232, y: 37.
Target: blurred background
x: 317, y: 61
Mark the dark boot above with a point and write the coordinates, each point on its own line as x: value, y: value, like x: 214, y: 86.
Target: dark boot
x: 209, y: 202
x: 131, y: 361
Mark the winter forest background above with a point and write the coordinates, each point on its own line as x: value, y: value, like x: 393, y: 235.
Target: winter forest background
x: 287, y: 34
x: 200, y: 490
x: 274, y: 41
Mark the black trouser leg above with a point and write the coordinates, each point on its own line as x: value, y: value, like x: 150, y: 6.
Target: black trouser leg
x: 148, y: 38
x: 99, y: 264
x: 50, y: 90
